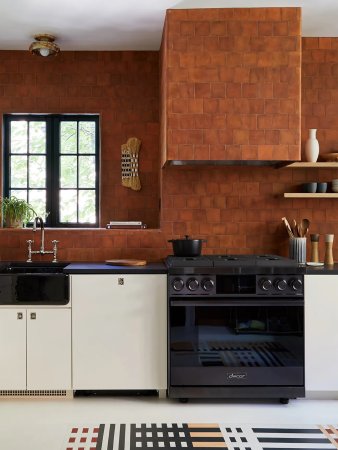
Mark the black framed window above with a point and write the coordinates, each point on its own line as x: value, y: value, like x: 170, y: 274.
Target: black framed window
x: 52, y: 161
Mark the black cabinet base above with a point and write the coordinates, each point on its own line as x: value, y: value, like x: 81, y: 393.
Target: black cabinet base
x: 233, y: 392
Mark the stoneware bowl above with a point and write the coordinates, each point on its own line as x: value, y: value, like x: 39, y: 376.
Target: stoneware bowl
x: 310, y: 187
x: 321, y: 187
x: 334, y: 185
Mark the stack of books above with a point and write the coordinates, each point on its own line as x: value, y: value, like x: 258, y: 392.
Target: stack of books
x: 113, y: 224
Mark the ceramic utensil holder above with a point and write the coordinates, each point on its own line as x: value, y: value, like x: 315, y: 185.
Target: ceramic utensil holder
x: 314, y: 247
x: 328, y: 259
x: 297, y: 249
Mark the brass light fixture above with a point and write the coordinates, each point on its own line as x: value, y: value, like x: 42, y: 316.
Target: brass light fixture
x: 44, y: 45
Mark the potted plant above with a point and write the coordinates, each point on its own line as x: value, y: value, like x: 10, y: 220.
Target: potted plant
x: 16, y: 212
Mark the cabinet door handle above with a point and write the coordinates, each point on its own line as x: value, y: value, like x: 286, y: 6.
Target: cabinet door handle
x: 20, y: 316
x: 120, y: 281
x: 33, y: 316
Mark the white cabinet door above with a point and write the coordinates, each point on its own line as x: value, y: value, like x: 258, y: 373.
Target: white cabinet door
x: 49, y: 349
x: 321, y: 333
x: 12, y: 349
x: 119, y: 331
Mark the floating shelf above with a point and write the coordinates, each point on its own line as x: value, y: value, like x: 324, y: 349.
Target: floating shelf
x: 313, y: 165
x: 309, y: 195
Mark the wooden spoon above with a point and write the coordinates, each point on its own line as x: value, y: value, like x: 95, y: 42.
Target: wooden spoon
x: 305, y: 224
x: 295, y: 228
x: 288, y: 228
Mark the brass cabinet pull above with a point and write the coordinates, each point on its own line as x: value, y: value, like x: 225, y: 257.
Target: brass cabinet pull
x: 19, y: 316
x: 33, y: 316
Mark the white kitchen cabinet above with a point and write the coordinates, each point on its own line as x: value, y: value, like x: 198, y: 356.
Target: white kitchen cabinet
x: 35, y: 349
x: 13, y: 349
x: 119, y: 331
x: 49, y: 349
x: 321, y: 336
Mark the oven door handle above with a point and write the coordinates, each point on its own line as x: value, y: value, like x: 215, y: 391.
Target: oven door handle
x: 241, y: 302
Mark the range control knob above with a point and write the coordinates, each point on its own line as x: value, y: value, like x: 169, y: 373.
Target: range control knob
x: 265, y: 284
x: 281, y: 285
x: 177, y: 284
x: 192, y: 284
x: 296, y: 284
x: 207, y: 284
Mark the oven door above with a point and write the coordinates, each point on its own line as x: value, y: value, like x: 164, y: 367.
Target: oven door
x: 236, y: 342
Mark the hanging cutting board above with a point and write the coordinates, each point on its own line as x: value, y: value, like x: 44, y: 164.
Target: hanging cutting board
x: 126, y: 262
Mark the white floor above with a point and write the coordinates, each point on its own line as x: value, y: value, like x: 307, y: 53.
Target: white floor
x: 34, y: 424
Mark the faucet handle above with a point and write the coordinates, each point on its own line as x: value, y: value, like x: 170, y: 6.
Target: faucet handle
x: 29, y: 242
x: 55, y: 250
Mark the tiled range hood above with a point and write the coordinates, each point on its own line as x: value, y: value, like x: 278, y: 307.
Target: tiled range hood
x: 230, y: 86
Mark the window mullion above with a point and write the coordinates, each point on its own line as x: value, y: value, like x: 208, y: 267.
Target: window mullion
x: 55, y: 171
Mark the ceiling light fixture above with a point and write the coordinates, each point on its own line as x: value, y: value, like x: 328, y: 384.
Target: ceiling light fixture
x: 44, y: 45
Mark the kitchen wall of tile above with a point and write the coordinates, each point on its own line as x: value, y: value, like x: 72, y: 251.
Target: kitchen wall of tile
x: 320, y: 91
x: 120, y: 86
x: 237, y: 209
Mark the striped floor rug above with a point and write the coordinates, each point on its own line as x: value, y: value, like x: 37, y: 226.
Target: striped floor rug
x: 201, y: 436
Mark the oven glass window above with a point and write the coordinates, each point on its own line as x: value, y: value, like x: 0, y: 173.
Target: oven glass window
x: 236, y: 336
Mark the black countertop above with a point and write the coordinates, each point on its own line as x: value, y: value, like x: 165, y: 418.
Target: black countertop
x: 322, y: 270
x: 102, y: 268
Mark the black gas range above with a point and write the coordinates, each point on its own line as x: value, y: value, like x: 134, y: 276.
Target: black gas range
x: 236, y: 327
x: 236, y: 263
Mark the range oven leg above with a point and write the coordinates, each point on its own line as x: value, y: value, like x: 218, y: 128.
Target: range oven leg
x: 162, y: 393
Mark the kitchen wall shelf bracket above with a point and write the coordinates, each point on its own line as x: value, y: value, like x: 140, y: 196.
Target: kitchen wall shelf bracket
x: 309, y: 195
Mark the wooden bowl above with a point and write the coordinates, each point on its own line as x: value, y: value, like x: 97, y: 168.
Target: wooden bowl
x: 330, y: 156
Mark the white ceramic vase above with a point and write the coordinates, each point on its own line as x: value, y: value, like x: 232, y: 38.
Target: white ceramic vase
x: 312, y: 146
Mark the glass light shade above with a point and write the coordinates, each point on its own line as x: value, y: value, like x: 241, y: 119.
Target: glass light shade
x: 44, y: 51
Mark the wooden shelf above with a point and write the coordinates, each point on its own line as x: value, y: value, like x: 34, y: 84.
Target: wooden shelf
x: 310, y: 195
x: 311, y: 165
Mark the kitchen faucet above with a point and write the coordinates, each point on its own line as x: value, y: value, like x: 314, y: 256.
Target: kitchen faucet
x: 42, y: 250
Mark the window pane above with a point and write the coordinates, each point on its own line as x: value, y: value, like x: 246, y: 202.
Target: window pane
x: 87, y: 171
x: 68, y: 138
x: 18, y: 171
x: 37, y: 198
x: 86, y: 137
x: 21, y: 194
x: 87, y: 206
x: 37, y: 171
x: 37, y: 137
x: 19, y: 136
x: 68, y: 205
x: 68, y: 172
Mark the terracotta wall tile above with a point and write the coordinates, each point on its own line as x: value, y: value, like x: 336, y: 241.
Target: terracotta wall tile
x: 122, y: 87
x: 237, y: 209
x: 231, y: 61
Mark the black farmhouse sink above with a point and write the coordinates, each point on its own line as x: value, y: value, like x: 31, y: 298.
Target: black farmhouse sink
x: 33, y: 284
x: 38, y: 267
